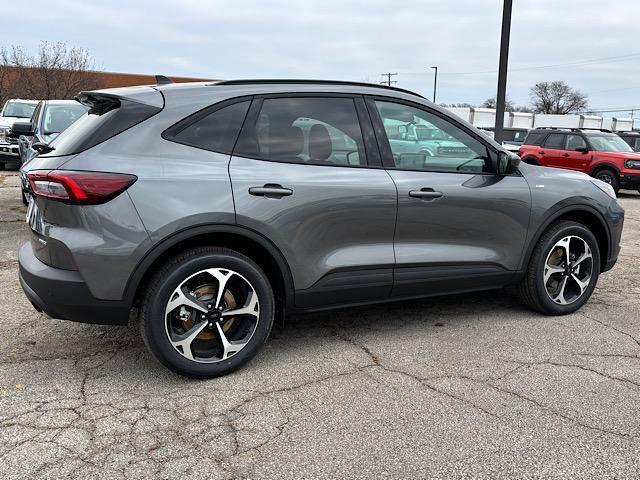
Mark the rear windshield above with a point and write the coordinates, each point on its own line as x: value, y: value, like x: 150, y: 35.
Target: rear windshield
x: 106, y: 118
x: 514, y: 135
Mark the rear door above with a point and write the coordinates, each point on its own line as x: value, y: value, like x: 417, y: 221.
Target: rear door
x: 306, y: 174
x: 460, y: 226
x: 552, y: 150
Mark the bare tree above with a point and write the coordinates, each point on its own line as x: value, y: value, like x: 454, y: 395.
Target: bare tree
x: 56, y: 71
x: 509, y: 106
x: 557, y: 97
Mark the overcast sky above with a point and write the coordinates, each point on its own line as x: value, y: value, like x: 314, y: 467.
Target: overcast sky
x: 357, y: 40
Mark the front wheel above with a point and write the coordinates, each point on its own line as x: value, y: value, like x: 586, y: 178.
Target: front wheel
x: 563, y: 270
x: 207, y: 312
x: 610, y: 177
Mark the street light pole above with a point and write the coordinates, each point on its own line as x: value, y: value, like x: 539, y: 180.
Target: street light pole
x: 435, y: 83
x: 502, y: 70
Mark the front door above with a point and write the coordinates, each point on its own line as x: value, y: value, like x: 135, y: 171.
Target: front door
x: 459, y: 226
x: 304, y: 175
x: 575, y: 156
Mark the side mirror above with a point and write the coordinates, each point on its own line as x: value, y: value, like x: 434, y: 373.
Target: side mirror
x: 582, y: 150
x: 507, y: 163
x: 22, y: 128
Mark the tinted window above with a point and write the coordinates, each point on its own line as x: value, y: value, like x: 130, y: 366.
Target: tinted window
x: 534, y: 138
x: 514, y: 135
x: 555, y: 141
x: 305, y: 130
x: 106, y: 118
x: 216, y: 131
x: 420, y: 140
x: 575, y: 141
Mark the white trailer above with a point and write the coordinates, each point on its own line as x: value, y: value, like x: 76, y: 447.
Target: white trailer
x: 520, y: 120
x: 486, y: 118
x: 463, y: 112
x: 590, y: 121
x: 622, y: 124
x: 558, y: 121
x: 607, y: 123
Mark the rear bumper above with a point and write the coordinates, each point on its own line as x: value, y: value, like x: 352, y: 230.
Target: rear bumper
x: 63, y: 294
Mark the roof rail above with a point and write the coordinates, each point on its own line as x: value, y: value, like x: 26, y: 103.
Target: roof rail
x: 313, y: 82
x: 573, y: 129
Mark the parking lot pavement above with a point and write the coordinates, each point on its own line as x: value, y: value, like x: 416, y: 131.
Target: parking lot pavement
x: 463, y: 386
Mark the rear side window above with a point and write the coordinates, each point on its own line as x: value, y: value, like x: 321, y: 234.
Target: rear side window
x: 317, y: 130
x: 534, y: 138
x: 107, y: 117
x: 215, y: 130
x: 555, y: 141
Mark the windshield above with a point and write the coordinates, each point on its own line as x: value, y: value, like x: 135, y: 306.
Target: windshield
x: 57, y: 118
x: 609, y: 143
x: 19, y: 109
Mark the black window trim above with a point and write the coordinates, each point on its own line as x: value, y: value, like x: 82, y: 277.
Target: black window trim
x: 170, y: 132
x: 385, y: 147
x: 373, y: 156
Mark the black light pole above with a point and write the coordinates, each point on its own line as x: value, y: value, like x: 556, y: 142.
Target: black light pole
x: 502, y: 70
x: 435, y: 83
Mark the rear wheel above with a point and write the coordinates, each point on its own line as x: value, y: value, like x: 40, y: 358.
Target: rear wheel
x: 563, y: 270
x: 207, y: 312
x: 609, y: 176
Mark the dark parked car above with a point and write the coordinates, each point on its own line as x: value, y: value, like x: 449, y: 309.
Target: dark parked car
x: 632, y: 138
x: 215, y: 207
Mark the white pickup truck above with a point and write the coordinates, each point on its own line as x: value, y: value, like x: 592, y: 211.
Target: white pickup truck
x: 14, y: 110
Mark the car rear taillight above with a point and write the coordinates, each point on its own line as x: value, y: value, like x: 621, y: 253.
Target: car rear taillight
x: 79, y: 187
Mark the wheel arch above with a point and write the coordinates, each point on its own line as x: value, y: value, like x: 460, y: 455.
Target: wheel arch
x: 241, y: 239
x: 603, y: 166
x: 583, y: 214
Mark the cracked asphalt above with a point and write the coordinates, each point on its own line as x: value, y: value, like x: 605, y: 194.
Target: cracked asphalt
x: 469, y: 386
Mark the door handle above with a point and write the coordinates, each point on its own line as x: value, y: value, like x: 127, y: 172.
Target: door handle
x: 425, y: 194
x: 566, y: 155
x: 541, y: 153
x: 271, y: 190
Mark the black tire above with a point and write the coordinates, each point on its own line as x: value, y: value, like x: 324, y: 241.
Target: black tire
x: 532, y: 289
x: 24, y: 198
x: 172, y: 274
x: 530, y: 161
x: 608, y: 176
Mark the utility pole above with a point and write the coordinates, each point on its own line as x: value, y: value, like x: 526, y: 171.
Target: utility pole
x: 435, y: 83
x: 388, y: 81
x: 502, y: 70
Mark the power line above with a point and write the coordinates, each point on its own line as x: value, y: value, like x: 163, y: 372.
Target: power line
x: 593, y: 61
x: 388, y: 81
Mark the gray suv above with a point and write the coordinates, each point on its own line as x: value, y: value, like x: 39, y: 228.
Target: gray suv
x: 212, y: 208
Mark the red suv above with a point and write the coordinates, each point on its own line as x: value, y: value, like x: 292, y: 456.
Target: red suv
x: 599, y: 153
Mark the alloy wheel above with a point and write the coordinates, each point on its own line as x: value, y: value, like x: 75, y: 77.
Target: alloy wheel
x: 212, y: 315
x: 568, y: 270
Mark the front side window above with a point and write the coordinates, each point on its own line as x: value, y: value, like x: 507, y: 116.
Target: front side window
x: 575, y: 141
x: 420, y: 140
x: 609, y: 143
x: 312, y: 130
x: 555, y: 141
